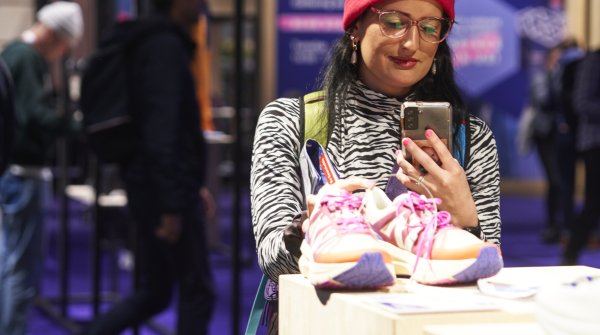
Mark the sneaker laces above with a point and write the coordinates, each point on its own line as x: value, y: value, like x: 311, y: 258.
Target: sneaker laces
x: 347, y: 205
x: 430, y: 221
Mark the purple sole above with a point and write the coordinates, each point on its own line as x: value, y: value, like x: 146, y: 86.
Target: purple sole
x: 369, y: 272
x: 487, y: 264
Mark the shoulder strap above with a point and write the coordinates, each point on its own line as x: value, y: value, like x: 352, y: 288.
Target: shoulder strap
x: 257, y: 308
x: 311, y: 104
x: 465, y: 142
x: 462, y: 142
x: 311, y: 125
x: 467, y: 146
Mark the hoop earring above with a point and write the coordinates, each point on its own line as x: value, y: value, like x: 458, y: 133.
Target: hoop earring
x: 354, y: 57
x: 434, y: 67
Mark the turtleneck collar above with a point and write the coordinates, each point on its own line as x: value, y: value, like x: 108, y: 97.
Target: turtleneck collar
x: 360, y: 95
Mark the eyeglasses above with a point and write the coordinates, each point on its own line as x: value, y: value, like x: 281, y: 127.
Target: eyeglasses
x: 395, y: 25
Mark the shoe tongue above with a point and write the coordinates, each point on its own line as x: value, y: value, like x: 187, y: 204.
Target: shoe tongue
x: 394, y: 188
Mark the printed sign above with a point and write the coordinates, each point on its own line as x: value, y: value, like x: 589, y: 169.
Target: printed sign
x: 306, y: 32
x: 485, y: 43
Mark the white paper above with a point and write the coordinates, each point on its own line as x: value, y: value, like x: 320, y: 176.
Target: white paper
x: 410, y: 303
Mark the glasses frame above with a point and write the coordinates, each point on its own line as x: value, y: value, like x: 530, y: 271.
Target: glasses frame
x: 380, y: 12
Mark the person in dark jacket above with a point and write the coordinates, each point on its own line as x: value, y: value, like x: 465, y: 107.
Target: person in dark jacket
x: 7, y: 116
x: 587, y: 106
x: 163, y: 179
x: 57, y: 29
x: 554, y: 136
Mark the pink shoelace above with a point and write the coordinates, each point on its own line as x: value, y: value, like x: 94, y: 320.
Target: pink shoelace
x: 439, y: 220
x: 344, y: 204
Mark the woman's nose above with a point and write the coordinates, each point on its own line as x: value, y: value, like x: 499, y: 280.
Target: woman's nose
x: 411, y: 40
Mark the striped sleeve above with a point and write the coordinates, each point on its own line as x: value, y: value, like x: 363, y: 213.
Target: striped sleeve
x: 483, y: 175
x: 275, y: 184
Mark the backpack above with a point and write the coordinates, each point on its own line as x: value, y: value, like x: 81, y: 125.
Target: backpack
x: 311, y: 105
x: 106, y: 92
x: 105, y: 102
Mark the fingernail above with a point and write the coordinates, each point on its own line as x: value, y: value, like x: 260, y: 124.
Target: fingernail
x: 397, y: 153
x: 428, y: 133
x: 405, y: 141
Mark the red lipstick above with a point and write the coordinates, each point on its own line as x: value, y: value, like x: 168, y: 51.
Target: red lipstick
x: 404, y: 63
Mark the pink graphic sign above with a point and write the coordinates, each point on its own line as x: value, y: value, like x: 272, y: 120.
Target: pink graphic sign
x: 310, y: 23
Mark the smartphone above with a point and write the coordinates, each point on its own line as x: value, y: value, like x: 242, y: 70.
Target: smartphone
x: 418, y: 116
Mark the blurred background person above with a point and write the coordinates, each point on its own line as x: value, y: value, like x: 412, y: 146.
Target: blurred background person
x: 58, y: 28
x: 165, y: 177
x: 568, y: 122
x: 587, y: 105
x: 553, y: 136
x: 7, y: 118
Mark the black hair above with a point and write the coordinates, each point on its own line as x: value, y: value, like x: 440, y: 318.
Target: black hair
x: 339, y: 74
x: 337, y: 77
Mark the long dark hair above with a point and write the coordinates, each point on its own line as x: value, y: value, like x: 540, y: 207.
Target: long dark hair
x: 339, y: 74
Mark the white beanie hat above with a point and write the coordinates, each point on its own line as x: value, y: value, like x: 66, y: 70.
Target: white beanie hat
x: 64, y: 18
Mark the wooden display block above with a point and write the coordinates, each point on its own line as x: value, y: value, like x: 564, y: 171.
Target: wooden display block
x: 303, y: 309
x: 514, y: 328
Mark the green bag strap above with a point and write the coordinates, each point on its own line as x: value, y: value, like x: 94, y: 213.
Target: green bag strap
x: 311, y: 124
x: 257, y: 308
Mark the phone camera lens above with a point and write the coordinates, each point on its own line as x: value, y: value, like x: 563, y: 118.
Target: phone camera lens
x: 411, y: 121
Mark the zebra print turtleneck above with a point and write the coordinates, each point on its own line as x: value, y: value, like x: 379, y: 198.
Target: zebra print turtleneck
x: 363, y: 142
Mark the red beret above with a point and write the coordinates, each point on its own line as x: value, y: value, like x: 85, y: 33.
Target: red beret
x: 354, y: 8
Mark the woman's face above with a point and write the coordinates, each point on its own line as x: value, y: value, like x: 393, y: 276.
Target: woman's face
x: 393, y: 65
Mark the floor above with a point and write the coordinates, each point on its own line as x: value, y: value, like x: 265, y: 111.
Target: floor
x: 522, y: 222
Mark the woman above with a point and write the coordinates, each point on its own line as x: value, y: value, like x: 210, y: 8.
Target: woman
x: 389, y: 54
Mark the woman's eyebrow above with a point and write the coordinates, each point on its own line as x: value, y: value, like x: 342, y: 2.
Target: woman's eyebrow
x: 395, y: 11
x: 407, y: 14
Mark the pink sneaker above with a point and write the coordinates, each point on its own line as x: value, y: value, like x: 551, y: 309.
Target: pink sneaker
x: 339, y: 249
x: 415, y: 232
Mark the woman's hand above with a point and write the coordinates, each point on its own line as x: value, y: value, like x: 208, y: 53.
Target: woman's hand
x: 445, y: 179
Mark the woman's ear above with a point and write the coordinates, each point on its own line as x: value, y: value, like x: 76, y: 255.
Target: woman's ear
x: 355, y: 31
